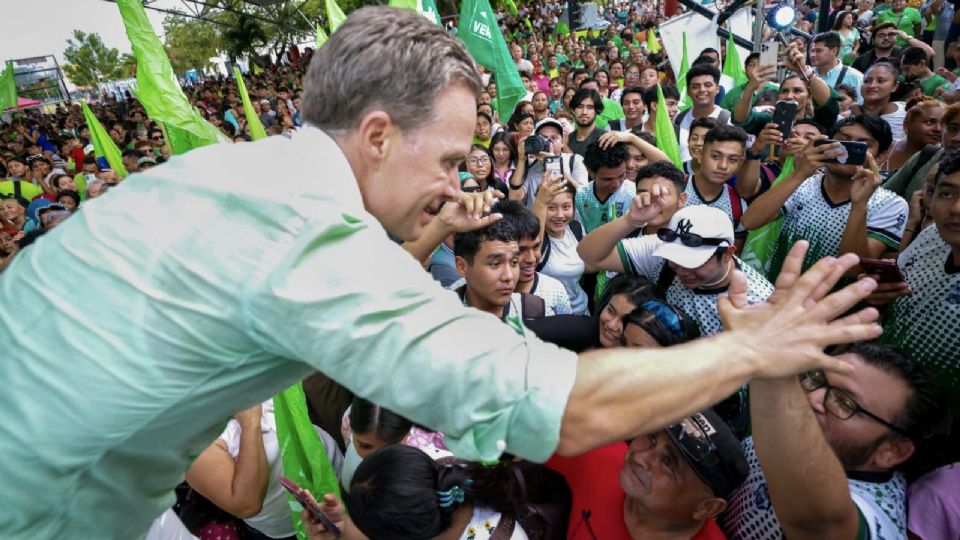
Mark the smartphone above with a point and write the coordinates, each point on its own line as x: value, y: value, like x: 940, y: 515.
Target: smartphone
x: 856, y: 152
x: 90, y: 177
x: 769, y: 52
x: 886, y: 270
x: 783, y: 116
x: 300, y: 494
x: 552, y: 164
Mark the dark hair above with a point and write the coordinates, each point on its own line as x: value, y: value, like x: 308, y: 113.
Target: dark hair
x: 481, y: 114
x: 631, y: 90
x: 669, y: 92
x: 703, y: 61
x: 887, y: 66
x: 467, y: 244
x: 367, y: 417
x: 133, y: 152
x: 663, y: 169
x: 883, y: 26
x: 700, y: 71
x: 831, y: 39
x: 709, y: 50
x: 725, y: 133
x: 503, y: 136
x: 707, y: 122
x: 751, y: 56
x: 525, y: 222
x: 847, y: 89
x: 70, y: 194
x: 638, y: 290
x: 648, y: 322
x: 912, y: 56
x: 613, y: 156
x: 587, y: 93
x: 644, y: 135
x: 878, y: 127
x: 809, y: 122
x: 56, y: 180
x: 925, y: 415
x: 589, y: 80
x: 518, y: 117
x: 842, y: 15
x: 950, y: 164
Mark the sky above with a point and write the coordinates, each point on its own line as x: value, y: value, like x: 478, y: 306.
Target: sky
x: 42, y: 27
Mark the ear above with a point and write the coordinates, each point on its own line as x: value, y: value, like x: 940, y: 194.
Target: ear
x: 682, y: 200
x: 893, y: 452
x: 729, y: 253
x: 462, y: 265
x: 708, y: 508
x: 377, y: 137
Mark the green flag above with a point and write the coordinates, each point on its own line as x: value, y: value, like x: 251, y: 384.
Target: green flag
x: 732, y: 67
x: 321, y: 36
x: 427, y: 8
x: 335, y: 16
x: 665, y: 134
x: 761, y: 243
x: 652, y: 44
x: 512, y: 7
x: 563, y: 29
x: 8, y: 88
x: 253, y: 121
x: 158, y: 89
x: 404, y: 4
x: 479, y: 31
x: 682, y: 77
x: 103, y: 145
x: 302, y: 452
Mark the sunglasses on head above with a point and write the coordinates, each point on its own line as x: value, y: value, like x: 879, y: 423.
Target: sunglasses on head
x: 689, y: 239
x: 666, y: 314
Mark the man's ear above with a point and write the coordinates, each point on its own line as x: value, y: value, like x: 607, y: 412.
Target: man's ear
x: 893, y: 452
x: 462, y: 265
x: 708, y: 508
x: 377, y: 138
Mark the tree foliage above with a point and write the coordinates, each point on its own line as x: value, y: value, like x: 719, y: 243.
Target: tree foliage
x: 191, y: 43
x: 90, y: 61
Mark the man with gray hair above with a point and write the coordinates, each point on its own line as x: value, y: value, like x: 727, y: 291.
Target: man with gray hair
x: 209, y: 289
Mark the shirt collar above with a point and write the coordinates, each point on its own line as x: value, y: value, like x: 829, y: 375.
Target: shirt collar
x: 337, y: 178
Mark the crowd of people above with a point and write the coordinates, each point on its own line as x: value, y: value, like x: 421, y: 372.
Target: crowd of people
x: 596, y: 239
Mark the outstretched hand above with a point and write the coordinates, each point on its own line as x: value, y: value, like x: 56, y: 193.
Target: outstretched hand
x: 471, y: 212
x: 790, y: 330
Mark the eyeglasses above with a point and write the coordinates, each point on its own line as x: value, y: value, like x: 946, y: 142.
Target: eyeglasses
x: 666, y: 314
x: 887, y: 35
x: 478, y: 161
x: 840, y: 403
x: 471, y: 189
x: 160, y: 138
x: 694, y: 442
x: 689, y: 239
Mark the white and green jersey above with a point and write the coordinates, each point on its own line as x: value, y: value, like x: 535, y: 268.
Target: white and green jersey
x: 636, y: 255
x: 750, y: 515
x: 725, y: 202
x: 553, y: 292
x: 926, y: 324
x: 592, y: 213
x: 810, y: 215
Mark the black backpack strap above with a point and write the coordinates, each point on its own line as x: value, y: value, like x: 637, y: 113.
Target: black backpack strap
x: 577, y: 229
x: 665, y: 279
x: 544, y: 252
x: 843, y: 73
x: 532, y: 306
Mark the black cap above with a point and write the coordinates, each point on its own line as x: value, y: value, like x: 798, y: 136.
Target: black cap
x: 721, y: 465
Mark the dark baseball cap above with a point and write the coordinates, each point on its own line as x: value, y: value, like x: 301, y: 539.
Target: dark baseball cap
x: 712, y: 450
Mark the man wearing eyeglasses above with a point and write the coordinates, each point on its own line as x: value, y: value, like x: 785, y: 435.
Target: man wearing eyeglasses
x: 826, y: 450
x: 691, y: 259
x: 885, y: 47
x: 667, y: 484
x: 529, y: 173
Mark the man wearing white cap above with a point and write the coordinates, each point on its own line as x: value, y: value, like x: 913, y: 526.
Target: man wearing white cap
x: 530, y: 168
x: 691, y: 259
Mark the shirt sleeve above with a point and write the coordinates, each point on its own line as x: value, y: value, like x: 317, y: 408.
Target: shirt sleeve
x: 579, y: 172
x: 636, y: 255
x: 888, y: 222
x: 352, y: 304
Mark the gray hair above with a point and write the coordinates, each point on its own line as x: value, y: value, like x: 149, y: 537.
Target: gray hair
x: 394, y: 60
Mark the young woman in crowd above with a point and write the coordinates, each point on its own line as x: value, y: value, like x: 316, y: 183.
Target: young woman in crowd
x: 923, y: 125
x: 484, y: 129
x: 504, y: 156
x: 559, y: 258
x: 479, y: 164
x: 880, y: 82
x: 846, y: 26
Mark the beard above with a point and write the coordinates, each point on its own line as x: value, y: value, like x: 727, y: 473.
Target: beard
x: 854, y: 457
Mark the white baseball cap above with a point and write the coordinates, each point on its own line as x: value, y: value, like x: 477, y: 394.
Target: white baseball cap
x: 711, y: 224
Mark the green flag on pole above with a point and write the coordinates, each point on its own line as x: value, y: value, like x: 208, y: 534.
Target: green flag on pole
x: 335, y: 16
x: 302, y: 452
x: 665, y: 134
x: 158, y: 89
x: 427, y: 8
x: 653, y: 45
x: 479, y: 31
x: 732, y: 67
x: 103, y: 145
x: 8, y: 88
x: 253, y: 121
x: 512, y: 6
x: 321, y: 36
x: 563, y: 29
x: 761, y: 243
x: 682, y: 77
x: 404, y: 4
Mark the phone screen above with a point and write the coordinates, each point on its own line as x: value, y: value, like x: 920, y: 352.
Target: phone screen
x: 886, y: 271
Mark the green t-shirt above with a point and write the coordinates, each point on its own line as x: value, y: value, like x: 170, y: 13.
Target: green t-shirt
x: 907, y: 20
x: 611, y: 111
x: 28, y: 191
x: 731, y: 98
x: 930, y: 85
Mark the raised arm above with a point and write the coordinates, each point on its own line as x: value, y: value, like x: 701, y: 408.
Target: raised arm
x: 758, y: 76
x: 855, y: 239
x: 599, y: 248
x: 468, y: 214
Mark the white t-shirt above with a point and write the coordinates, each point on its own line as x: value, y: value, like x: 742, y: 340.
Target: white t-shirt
x: 895, y: 120
x: 750, y: 514
x: 274, y: 519
x: 553, y: 292
x: 685, y: 131
x: 636, y: 254
x: 566, y: 265
x: 483, y: 523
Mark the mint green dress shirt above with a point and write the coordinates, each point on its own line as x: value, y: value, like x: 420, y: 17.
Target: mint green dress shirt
x: 132, y: 332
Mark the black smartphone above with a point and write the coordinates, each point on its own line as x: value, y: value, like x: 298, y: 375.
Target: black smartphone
x: 784, y: 115
x: 886, y: 270
x: 300, y: 494
x: 856, y: 152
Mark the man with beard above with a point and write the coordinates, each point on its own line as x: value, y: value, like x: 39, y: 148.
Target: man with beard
x: 586, y: 105
x: 826, y: 449
x: 842, y: 211
x: 885, y: 47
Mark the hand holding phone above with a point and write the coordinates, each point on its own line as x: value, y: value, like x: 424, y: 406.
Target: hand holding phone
x: 784, y: 115
x: 886, y: 270
x: 309, y: 505
x: 769, y: 52
x: 852, y: 152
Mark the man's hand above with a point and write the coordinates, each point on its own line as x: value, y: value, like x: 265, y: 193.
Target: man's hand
x: 647, y: 205
x: 887, y: 292
x: 917, y: 210
x: 795, y: 145
x: 467, y: 214
x: 789, y: 331
x: 769, y: 135
x: 865, y: 182
x: 611, y: 138
x: 757, y: 75
x: 796, y: 60
x: 813, y: 157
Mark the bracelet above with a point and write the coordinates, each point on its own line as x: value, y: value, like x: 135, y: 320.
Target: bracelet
x: 515, y: 188
x: 754, y: 157
x: 909, y: 230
